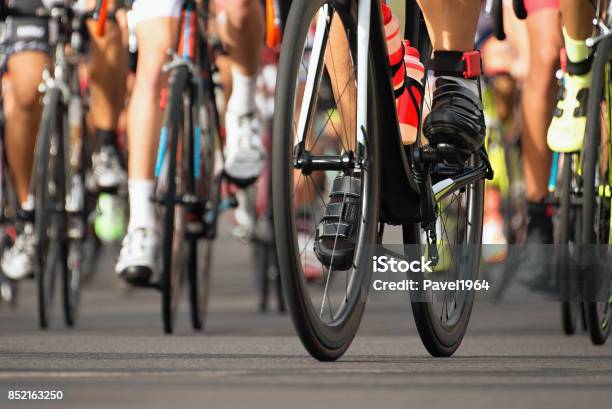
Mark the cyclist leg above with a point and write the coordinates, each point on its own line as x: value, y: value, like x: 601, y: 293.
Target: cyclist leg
x: 108, y: 72
x: 537, y: 101
x: 156, y: 31
x: 28, y: 56
x: 505, y: 63
x: 242, y: 29
x: 456, y: 116
x: 567, y: 128
x: 22, y: 120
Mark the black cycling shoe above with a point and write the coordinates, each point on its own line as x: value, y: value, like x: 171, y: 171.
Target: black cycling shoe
x: 337, y: 231
x: 456, y: 119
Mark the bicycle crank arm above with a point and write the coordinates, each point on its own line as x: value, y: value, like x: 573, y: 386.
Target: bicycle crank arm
x: 446, y: 186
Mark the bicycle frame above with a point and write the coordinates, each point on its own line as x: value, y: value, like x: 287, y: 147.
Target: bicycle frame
x: 197, y: 60
x: 185, y: 57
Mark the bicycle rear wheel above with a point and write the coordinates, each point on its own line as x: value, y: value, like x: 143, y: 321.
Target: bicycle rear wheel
x: 170, y: 189
x: 327, y: 310
x: 442, y: 317
x: 597, y: 178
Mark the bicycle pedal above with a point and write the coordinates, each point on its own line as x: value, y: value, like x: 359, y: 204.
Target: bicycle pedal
x: 452, y: 155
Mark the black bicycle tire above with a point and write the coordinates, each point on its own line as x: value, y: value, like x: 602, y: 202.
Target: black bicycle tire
x: 40, y: 224
x: 590, y: 161
x: 178, y: 84
x: 45, y: 273
x: 566, y: 284
x: 199, y: 276
x: 325, y: 343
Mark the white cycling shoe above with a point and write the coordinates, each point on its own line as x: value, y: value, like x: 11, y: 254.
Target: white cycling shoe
x: 138, y: 258
x: 244, y: 150
x: 107, y: 172
x: 18, y: 261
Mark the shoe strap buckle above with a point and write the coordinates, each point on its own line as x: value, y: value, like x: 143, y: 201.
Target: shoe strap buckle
x: 473, y: 64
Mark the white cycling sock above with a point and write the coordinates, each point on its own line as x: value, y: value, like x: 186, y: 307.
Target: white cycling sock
x: 242, y: 100
x: 142, y: 210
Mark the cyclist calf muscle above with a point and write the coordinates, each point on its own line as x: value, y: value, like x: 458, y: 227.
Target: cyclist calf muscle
x: 23, y: 116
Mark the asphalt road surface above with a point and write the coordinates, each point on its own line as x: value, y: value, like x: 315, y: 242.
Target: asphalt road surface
x: 513, y: 356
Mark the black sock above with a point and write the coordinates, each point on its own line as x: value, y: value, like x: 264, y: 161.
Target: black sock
x: 105, y: 137
x: 25, y: 215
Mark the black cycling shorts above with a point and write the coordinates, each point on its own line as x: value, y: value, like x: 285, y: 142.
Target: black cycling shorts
x: 24, y: 33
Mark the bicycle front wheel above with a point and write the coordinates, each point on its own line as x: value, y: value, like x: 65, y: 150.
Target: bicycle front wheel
x: 50, y: 216
x: 315, y: 111
x: 170, y: 189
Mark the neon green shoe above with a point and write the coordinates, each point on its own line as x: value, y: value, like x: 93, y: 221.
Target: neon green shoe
x: 566, y: 131
x: 110, y: 218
